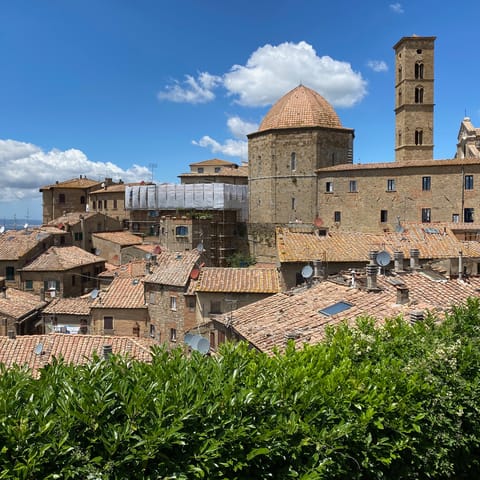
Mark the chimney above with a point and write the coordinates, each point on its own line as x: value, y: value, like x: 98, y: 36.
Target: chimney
x: 460, y: 265
x: 107, y: 351
x: 416, y: 316
x: 398, y: 261
x: 372, y: 255
x: 402, y: 295
x: 414, y: 262
x: 12, y: 334
x: 372, y: 277
x: 317, y: 269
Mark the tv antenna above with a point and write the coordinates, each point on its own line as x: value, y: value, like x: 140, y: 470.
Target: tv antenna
x: 151, y: 167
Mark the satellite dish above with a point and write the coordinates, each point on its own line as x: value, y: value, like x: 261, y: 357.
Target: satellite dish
x: 94, y: 294
x: 198, y: 343
x: 97, y: 251
x: 188, y: 338
x: 307, y: 272
x: 38, y: 350
x: 383, y: 258
x: 200, y: 247
x: 25, y: 226
x: 2, y: 228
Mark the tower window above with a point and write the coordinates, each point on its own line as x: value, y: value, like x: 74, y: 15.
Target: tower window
x: 353, y: 186
x: 294, y: 203
x: 468, y: 215
x: 468, y: 182
x: 419, y: 51
x: 419, y: 70
x: 391, y: 185
x: 426, y: 215
x: 419, y: 95
x: 293, y: 161
x: 383, y: 216
x: 426, y: 183
x: 337, y: 216
x: 418, y: 137
x: 329, y: 187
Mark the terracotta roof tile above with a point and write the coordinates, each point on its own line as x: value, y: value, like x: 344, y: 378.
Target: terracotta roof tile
x: 17, y: 303
x: 121, y: 293
x: 69, y: 306
x: 14, y: 244
x: 74, y: 349
x: 239, y: 280
x: 173, y: 268
x: 60, y: 259
x: 73, y: 183
x: 72, y: 218
x: 123, y: 239
x: 301, y: 107
x: 133, y: 269
x: 214, y: 162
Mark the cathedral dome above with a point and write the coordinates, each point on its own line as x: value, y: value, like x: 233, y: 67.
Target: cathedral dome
x: 301, y: 107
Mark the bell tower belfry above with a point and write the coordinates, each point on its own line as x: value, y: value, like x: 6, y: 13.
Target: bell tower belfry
x: 414, y: 104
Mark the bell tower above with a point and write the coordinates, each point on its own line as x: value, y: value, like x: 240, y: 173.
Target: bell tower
x: 414, y: 79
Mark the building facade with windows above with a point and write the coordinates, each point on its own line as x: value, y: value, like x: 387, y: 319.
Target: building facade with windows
x: 301, y: 170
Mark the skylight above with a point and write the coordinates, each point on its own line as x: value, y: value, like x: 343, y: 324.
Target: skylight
x: 335, y: 308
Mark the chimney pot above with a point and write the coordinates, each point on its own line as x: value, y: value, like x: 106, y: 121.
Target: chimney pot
x: 402, y: 295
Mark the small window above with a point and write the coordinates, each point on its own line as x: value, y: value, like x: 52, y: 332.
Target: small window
x: 94, y: 205
x: 28, y: 284
x: 173, y: 334
x: 191, y: 303
x: 418, y: 95
x: 455, y: 218
x: 82, y: 200
x: 61, y: 198
x: 468, y: 182
x: 217, y: 169
x: 294, y: 203
x: 383, y: 216
x: 78, y: 236
x: 173, y: 303
x: 152, y: 330
x: 115, y: 204
x: 200, y: 170
x: 293, y: 161
x: 419, y: 71
x: 418, y: 137
x: 337, y: 216
x: 99, y: 204
x: 105, y: 204
x: 329, y: 187
x: 426, y: 183
x: 353, y: 186
x: 215, y: 307
x: 468, y: 215
x: 391, y: 185
x: 181, y: 231
x: 426, y: 215
x: 108, y: 323
x: 10, y: 273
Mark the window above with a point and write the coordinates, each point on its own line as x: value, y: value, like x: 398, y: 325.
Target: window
x: 399, y: 74
x: 173, y: 334
x: 426, y: 215
x: 94, y: 205
x: 217, y: 169
x: 329, y: 187
x: 151, y: 298
x: 468, y: 182
x: 293, y: 161
x: 82, y: 200
x: 455, y: 218
x: 152, y: 330
x: 105, y: 204
x: 61, y: 198
x: 426, y: 183
x: 173, y: 303
x: 391, y: 185
x: 383, y: 216
x: 200, y: 170
x: 28, y: 284
x: 115, y: 204
x: 215, y: 307
x: 294, y: 203
x: 419, y: 70
x: 353, y: 186
x: 99, y: 204
x: 191, y: 304
x: 51, y: 285
x: 419, y: 95
x: 83, y: 326
x: 181, y: 231
x: 418, y: 137
x: 10, y: 273
x: 108, y: 323
x: 78, y: 236
x: 468, y: 215
x: 335, y: 308
x: 337, y: 216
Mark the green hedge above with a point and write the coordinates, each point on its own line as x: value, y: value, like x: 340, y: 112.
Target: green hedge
x: 396, y: 402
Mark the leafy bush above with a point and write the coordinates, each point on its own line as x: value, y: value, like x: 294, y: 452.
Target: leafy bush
x: 396, y: 402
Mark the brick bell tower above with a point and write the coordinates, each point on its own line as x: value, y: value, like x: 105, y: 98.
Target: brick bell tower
x: 414, y: 79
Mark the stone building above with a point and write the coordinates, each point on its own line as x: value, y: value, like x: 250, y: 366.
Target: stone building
x: 216, y: 171
x: 301, y: 170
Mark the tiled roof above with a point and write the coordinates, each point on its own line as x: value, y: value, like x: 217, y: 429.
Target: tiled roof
x: 17, y: 303
x: 301, y: 107
x: 432, y: 243
x: 71, y: 218
x: 227, y: 172
x: 69, y: 306
x: 268, y: 323
x: 133, y: 269
x: 121, y: 238
x: 73, y: 183
x: 121, y: 293
x: 14, y: 244
x: 173, y: 268
x: 118, y: 187
x: 238, y: 280
x: 214, y: 162
x: 73, y: 349
x: 61, y: 258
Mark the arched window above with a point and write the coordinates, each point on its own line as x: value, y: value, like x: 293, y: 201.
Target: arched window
x: 419, y: 70
x: 418, y: 137
x: 419, y: 95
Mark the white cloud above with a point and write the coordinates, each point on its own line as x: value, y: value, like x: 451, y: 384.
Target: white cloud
x: 397, y: 8
x: 240, y: 128
x: 377, y: 65
x: 270, y: 72
x: 26, y: 167
x: 199, y: 90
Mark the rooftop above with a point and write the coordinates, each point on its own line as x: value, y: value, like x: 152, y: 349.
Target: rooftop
x: 81, y: 182
x: 69, y: 306
x: 121, y: 238
x: 121, y: 293
x: 17, y: 303
x: 14, y: 244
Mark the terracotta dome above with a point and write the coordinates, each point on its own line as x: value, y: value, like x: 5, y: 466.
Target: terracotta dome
x: 301, y: 107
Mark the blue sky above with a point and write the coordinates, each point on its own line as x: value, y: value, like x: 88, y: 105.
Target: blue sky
x: 125, y: 89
